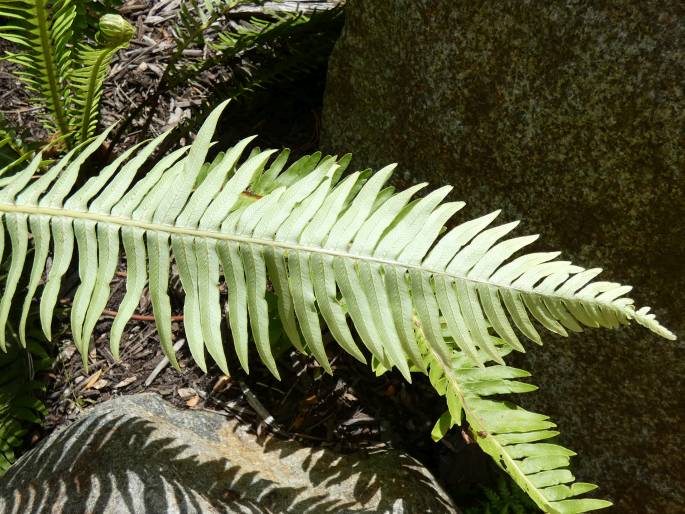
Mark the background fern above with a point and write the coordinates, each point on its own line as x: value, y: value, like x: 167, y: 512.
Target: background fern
x: 20, y: 392
x: 42, y: 32
x: 67, y: 82
x: 283, y: 66
x: 241, y: 56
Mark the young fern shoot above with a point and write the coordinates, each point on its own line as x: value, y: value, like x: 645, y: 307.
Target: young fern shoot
x: 334, y: 247
x: 67, y: 76
x: 87, y: 79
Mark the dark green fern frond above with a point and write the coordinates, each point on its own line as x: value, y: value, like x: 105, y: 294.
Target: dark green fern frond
x: 195, y: 19
x: 42, y: 32
x: 504, y: 498
x: 196, y: 16
x: 249, y: 54
x: 20, y: 404
x: 262, y: 58
x: 93, y: 66
x: 258, y: 33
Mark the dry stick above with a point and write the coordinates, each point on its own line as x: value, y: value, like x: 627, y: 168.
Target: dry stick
x: 137, y: 317
x: 162, y: 364
x: 140, y: 317
x: 261, y: 411
x: 268, y: 419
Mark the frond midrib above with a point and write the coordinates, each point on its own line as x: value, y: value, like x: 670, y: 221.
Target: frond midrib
x: 285, y: 245
x: 50, y: 67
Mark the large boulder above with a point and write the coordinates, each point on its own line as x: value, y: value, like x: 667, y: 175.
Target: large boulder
x: 571, y: 117
x: 138, y: 454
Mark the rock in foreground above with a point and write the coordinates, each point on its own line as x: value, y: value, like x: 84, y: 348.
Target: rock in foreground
x: 138, y: 454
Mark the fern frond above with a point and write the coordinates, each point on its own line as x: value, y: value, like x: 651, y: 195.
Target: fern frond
x: 20, y: 405
x: 511, y: 435
x: 332, y: 247
x: 42, y: 32
x: 383, y: 251
x: 89, y: 76
x: 260, y: 58
x: 240, y: 38
x: 196, y: 16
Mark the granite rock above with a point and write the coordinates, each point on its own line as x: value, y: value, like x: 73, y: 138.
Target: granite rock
x: 138, y: 454
x: 568, y: 115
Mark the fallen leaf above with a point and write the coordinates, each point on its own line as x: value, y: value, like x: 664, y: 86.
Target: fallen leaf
x: 193, y: 401
x: 67, y: 353
x: 221, y: 384
x: 298, y: 422
x: 100, y: 384
x: 349, y: 397
x: 390, y: 391
x: 93, y: 379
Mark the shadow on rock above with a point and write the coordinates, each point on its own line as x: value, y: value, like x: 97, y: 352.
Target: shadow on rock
x: 140, y: 454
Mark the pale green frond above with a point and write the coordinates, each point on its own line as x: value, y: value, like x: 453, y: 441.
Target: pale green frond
x: 379, y: 254
x: 61, y: 228
x: 153, y: 188
x: 516, y: 439
x: 334, y: 249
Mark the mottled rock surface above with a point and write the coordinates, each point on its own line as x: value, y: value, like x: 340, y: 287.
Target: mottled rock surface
x: 138, y: 454
x: 568, y: 115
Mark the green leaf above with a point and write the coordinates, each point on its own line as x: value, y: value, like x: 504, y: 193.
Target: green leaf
x: 442, y: 426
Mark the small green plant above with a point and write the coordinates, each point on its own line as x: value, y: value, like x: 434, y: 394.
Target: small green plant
x: 64, y: 73
x: 451, y: 305
x: 12, y: 145
x: 20, y: 403
x: 504, y: 498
